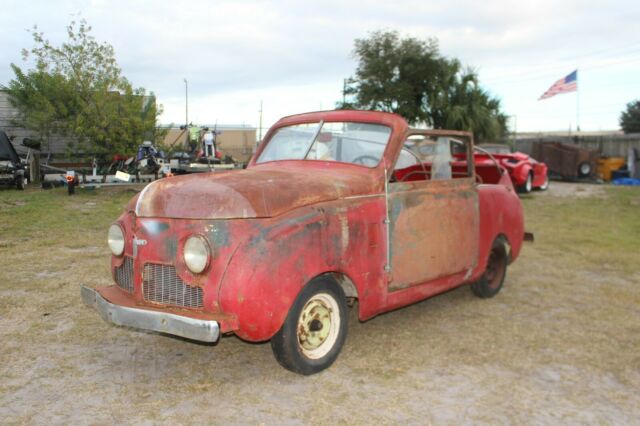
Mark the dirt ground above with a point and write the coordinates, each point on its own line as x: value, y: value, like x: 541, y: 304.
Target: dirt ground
x: 559, y: 344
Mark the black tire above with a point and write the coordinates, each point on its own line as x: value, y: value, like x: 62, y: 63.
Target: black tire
x: 584, y: 169
x: 491, y: 281
x: 20, y: 182
x: 527, y: 186
x: 299, y: 345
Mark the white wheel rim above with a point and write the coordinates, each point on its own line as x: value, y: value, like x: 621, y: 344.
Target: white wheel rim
x: 545, y: 185
x: 318, y: 326
x: 585, y: 169
x: 529, y: 183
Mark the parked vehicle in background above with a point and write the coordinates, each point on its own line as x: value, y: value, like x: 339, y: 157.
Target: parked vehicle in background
x: 334, y: 207
x: 526, y: 173
x: 566, y: 161
x: 12, y: 170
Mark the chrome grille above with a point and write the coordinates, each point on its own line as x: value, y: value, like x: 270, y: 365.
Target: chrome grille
x: 124, y: 275
x: 161, y: 284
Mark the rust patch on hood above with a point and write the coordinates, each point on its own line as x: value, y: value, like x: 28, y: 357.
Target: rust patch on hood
x: 261, y: 191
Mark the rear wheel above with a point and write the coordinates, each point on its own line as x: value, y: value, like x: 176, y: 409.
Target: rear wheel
x: 491, y: 281
x: 315, y: 328
x: 545, y: 184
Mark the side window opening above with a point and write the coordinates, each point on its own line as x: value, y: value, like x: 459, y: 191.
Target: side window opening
x: 427, y: 157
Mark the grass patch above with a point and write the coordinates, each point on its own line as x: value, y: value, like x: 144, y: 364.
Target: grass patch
x: 559, y: 344
x: 53, y: 216
x: 590, y: 232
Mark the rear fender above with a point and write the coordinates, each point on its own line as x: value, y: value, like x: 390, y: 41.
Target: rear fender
x: 501, y: 215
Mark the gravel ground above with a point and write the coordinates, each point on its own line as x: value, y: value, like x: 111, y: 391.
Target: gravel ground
x: 559, y: 344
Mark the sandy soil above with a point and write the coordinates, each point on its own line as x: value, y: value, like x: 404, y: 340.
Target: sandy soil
x: 576, y: 190
x: 558, y: 345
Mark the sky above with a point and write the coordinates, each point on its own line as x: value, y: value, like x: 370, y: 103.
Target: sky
x: 293, y: 56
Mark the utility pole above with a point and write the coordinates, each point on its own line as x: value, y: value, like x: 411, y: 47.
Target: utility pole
x: 260, y: 125
x: 344, y: 91
x: 186, y: 111
x: 514, y: 132
x: 577, y: 104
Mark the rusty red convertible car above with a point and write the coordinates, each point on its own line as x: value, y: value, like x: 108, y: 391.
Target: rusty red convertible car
x: 334, y: 207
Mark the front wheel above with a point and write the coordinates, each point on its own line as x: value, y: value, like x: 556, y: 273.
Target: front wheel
x: 315, y: 328
x: 20, y: 182
x: 527, y: 186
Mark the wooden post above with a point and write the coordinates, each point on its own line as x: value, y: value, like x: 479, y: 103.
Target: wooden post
x: 34, y: 167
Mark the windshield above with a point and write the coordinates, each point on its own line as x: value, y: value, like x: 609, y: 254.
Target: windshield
x: 346, y: 142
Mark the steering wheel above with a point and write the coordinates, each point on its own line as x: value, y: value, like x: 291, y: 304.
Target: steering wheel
x: 365, y: 160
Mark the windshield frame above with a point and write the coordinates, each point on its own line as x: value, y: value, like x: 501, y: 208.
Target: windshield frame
x: 321, y: 122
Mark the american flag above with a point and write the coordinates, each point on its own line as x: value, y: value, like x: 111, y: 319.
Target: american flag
x: 564, y: 85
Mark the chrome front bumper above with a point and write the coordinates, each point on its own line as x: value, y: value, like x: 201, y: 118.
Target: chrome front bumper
x: 191, y: 328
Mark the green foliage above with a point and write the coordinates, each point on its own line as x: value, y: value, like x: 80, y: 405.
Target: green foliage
x: 45, y: 101
x: 630, y: 119
x: 408, y: 76
x: 77, y: 89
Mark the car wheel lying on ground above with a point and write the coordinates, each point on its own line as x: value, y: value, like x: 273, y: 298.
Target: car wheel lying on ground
x: 334, y: 206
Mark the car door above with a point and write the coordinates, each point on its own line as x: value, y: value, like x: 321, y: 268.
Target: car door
x: 433, y: 222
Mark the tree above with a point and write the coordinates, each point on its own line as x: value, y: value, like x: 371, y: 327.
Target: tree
x: 45, y: 101
x: 78, y: 89
x: 630, y: 119
x: 410, y: 77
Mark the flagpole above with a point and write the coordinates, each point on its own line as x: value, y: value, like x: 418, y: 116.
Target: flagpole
x: 577, y: 103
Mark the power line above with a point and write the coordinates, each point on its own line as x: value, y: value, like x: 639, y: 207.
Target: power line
x: 569, y: 113
x: 561, y: 60
x: 552, y: 74
x: 635, y: 48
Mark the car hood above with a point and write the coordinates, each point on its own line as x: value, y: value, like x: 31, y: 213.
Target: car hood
x: 262, y: 191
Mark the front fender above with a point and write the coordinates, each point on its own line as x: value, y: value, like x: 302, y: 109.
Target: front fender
x: 267, y: 272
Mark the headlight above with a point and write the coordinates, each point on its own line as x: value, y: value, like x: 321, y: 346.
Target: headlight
x: 116, y: 239
x: 196, y: 254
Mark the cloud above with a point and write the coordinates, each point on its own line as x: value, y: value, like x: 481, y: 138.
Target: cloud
x: 295, y: 54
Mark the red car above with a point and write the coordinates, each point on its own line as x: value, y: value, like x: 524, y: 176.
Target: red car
x: 332, y: 208
x: 526, y: 173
